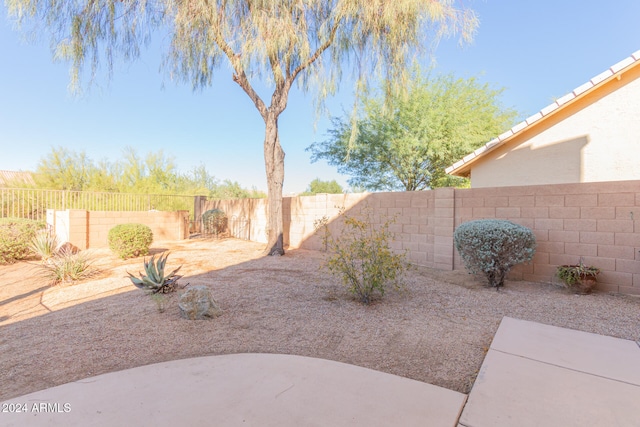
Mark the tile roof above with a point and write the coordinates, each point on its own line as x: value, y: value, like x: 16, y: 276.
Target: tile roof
x: 632, y: 60
x: 13, y: 178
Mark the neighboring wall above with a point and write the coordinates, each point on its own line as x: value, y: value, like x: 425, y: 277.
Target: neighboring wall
x: 594, y: 139
x: 89, y: 229
x: 597, y: 221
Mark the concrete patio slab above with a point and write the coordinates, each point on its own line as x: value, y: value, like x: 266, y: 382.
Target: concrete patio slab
x: 601, y: 355
x: 241, y: 390
x: 528, y: 378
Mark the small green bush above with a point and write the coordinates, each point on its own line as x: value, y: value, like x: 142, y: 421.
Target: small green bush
x: 493, y: 246
x: 16, y: 235
x: 130, y: 240
x: 214, y: 222
x: 361, y: 255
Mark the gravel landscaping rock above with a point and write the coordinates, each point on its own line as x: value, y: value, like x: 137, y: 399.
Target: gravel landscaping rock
x: 437, y: 330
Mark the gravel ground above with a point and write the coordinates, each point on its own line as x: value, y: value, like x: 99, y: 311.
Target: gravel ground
x: 437, y: 330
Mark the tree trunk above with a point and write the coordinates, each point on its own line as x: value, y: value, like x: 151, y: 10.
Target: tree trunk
x: 274, y: 165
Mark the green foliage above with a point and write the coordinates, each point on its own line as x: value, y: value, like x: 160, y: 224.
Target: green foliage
x: 572, y: 274
x: 214, y: 221
x: 68, y: 267
x: 155, y: 280
x: 360, y: 255
x: 44, y: 244
x: 405, y: 142
x: 493, y: 246
x: 16, y: 235
x: 232, y: 190
x: 271, y: 39
x: 317, y: 186
x: 62, y: 169
x: 130, y: 240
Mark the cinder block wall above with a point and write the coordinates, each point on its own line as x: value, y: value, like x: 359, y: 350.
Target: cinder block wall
x: 89, y: 229
x: 599, y: 222
x: 414, y: 229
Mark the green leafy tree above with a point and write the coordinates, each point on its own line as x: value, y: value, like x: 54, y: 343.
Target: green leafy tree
x: 63, y: 169
x: 105, y: 177
x: 232, y: 190
x: 281, y: 42
x: 319, y: 186
x: 407, y: 143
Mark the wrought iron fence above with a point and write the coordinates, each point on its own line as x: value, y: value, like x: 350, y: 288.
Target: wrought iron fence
x: 33, y: 203
x: 240, y: 227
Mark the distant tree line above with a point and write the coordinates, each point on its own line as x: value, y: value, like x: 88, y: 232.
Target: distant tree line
x: 318, y: 186
x: 63, y: 169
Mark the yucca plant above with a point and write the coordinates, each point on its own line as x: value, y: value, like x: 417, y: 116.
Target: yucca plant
x: 44, y: 244
x: 155, y: 279
x: 68, y: 267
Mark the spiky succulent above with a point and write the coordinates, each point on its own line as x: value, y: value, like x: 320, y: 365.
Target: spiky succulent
x: 155, y: 279
x: 44, y: 244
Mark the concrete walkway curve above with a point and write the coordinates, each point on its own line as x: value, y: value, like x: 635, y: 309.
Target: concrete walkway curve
x: 241, y: 390
x: 533, y: 375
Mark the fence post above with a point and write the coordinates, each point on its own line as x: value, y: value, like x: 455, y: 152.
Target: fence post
x: 198, y: 202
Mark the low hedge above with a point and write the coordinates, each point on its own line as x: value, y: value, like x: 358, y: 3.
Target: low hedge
x: 16, y: 235
x: 130, y: 240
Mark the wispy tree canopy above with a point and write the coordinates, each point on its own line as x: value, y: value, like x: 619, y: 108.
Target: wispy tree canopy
x: 309, y: 42
x: 408, y: 144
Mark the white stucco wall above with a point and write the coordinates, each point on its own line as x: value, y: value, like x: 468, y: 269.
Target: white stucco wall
x: 601, y: 142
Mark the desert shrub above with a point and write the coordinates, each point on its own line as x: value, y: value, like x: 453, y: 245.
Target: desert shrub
x: 214, y: 221
x: 44, y: 244
x: 130, y: 240
x: 493, y: 246
x: 16, y: 235
x: 66, y: 266
x: 360, y: 255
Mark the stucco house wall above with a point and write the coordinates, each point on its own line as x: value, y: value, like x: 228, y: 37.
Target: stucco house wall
x: 589, y: 135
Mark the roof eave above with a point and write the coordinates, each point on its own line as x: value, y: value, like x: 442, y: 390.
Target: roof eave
x: 463, y: 167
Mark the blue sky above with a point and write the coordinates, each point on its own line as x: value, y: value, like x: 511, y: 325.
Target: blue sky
x: 537, y: 51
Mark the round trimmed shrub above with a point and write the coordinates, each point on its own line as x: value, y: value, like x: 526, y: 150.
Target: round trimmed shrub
x: 16, y: 235
x: 214, y: 221
x: 130, y: 240
x: 493, y: 246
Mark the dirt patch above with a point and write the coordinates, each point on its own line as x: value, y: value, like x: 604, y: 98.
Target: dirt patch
x: 437, y: 330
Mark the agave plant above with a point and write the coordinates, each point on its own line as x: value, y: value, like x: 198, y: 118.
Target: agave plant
x: 155, y: 279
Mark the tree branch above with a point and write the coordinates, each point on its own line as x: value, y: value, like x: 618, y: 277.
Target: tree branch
x: 239, y: 75
x: 315, y: 55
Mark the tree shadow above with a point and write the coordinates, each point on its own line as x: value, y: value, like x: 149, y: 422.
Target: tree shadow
x: 23, y: 295
x: 285, y: 305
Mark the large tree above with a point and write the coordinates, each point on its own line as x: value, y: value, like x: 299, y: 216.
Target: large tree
x: 406, y: 141
x: 280, y: 41
x: 318, y: 186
